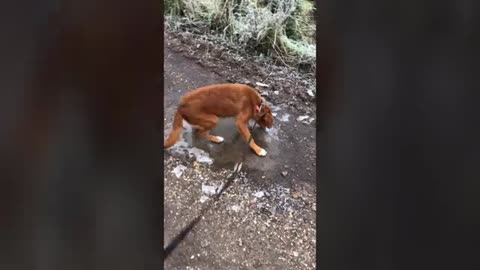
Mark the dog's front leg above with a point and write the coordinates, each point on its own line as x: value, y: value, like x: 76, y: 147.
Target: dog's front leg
x: 242, y: 125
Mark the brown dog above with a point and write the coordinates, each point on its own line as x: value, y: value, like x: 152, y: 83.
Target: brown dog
x: 202, y: 107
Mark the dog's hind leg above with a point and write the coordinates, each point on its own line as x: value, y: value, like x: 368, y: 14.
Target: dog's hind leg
x: 204, y: 123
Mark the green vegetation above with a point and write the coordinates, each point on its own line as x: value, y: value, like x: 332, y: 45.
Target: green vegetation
x: 279, y: 28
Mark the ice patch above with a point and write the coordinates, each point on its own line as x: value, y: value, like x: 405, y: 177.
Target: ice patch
x: 259, y: 194
x: 273, y: 132
x: 305, y: 119
x: 284, y: 117
x: 178, y: 171
x: 275, y: 108
x: 209, y: 190
x: 203, y: 198
x: 302, y: 117
x: 201, y: 156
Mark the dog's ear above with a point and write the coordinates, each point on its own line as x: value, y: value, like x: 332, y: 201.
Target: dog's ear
x: 267, y: 118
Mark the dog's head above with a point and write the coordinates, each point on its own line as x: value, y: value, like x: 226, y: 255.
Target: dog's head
x: 266, y: 119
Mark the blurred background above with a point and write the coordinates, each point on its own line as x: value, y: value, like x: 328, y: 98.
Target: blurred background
x: 81, y: 94
x: 398, y: 162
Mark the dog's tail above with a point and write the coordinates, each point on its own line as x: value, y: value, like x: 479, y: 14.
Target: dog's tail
x: 176, y: 131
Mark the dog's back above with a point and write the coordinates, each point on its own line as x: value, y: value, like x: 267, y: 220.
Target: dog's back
x: 222, y: 100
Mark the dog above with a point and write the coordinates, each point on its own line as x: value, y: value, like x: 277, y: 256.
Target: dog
x: 202, y: 107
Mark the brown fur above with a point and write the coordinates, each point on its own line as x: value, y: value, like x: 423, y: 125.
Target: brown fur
x: 202, y: 107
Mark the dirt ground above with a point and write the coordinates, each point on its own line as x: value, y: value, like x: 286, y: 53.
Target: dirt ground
x: 266, y: 219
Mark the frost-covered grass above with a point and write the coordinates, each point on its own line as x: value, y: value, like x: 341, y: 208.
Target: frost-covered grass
x: 279, y: 28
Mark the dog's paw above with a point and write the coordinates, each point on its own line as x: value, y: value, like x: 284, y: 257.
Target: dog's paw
x: 262, y: 153
x: 219, y: 139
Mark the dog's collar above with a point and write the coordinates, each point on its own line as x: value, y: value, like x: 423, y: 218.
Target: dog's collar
x: 258, y: 109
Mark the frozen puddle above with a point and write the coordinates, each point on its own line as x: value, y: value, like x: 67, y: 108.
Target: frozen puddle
x: 272, y: 133
x: 182, y: 147
x: 211, y: 153
x: 201, y: 156
x: 284, y: 118
x: 276, y: 112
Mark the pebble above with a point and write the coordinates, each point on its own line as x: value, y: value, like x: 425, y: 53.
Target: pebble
x: 295, y: 194
x: 259, y: 194
x: 284, y: 173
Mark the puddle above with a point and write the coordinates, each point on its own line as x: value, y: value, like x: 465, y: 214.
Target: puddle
x: 234, y: 148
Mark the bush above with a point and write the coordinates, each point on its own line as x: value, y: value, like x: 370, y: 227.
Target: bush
x: 281, y: 28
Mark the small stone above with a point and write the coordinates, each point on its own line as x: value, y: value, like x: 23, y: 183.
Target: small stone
x: 193, y: 257
x: 259, y: 194
x: 295, y: 194
x: 295, y: 254
x: 276, y: 92
x: 284, y: 173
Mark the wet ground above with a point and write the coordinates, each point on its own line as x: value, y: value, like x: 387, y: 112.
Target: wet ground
x: 266, y: 220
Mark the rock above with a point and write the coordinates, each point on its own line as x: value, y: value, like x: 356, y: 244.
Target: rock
x: 276, y: 92
x: 235, y: 208
x: 295, y: 254
x: 284, y: 173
